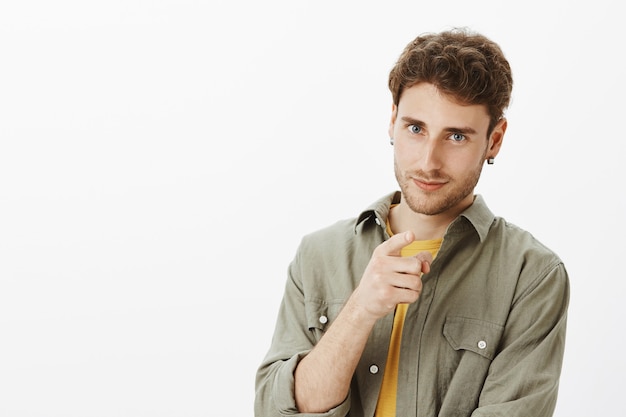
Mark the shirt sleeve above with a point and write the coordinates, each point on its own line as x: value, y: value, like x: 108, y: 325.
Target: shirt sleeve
x: 292, y: 340
x: 524, y: 376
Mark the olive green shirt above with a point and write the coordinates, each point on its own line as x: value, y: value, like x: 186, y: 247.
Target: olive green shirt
x: 485, y: 338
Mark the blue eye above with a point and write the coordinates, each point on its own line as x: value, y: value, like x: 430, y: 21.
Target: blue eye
x: 415, y: 128
x: 457, y: 137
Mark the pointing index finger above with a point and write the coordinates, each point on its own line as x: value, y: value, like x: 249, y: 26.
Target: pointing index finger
x: 395, y: 243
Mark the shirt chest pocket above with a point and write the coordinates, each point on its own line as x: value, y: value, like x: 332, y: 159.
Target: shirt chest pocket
x: 473, y: 335
x: 320, y: 314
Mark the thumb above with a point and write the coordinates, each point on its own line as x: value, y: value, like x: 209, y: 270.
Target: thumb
x: 426, y: 259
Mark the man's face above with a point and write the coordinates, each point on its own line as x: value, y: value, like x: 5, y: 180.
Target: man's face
x: 439, y: 149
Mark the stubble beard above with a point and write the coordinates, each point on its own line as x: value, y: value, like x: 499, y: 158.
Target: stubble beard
x: 436, y: 202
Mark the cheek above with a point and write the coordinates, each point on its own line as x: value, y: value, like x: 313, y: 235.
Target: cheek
x: 404, y: 156
x: 409, y: 148
x: 464, y: 163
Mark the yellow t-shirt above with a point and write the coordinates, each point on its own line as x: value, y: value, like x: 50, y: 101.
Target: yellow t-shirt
x: 386, y: 406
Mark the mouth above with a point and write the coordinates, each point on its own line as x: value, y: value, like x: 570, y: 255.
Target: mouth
x: 428, y: 185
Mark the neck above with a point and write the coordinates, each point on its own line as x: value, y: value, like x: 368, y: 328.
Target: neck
x: 424, y: 226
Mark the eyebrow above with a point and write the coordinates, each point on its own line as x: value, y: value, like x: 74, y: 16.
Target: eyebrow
x: 465, y: 130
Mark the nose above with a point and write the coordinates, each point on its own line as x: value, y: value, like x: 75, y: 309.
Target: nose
x: 431, y: 155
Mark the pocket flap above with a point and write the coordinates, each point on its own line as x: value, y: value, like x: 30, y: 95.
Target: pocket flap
x: 475, y: 335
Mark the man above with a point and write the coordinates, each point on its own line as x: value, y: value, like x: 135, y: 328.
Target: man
x: 425, y: 304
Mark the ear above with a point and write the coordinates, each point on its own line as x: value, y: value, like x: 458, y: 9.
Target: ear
x: 496, y: 138
x: 392, y: 122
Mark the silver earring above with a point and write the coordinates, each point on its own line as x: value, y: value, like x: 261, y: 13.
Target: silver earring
x: 490, y: 160
x: 391, y: 141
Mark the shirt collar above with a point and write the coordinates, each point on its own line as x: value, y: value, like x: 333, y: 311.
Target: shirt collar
x: 477, y: 216
x: 378, y: 210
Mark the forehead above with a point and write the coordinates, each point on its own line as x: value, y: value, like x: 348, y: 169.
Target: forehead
x: 425, y: 102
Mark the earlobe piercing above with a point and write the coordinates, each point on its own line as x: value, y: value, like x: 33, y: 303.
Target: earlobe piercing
x: 490, y: 160
x: 391, y: 141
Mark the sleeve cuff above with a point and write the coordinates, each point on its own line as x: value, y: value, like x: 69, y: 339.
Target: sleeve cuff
x: 284, y: 395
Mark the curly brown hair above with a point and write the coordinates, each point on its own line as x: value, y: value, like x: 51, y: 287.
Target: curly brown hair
x: 462, y: 64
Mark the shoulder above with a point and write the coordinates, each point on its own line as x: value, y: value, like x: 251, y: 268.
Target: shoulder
x: 520, y: 250
x: 361, y: 231
x: 330, y: 238
x: 519, y: 240
x: 330, y: 261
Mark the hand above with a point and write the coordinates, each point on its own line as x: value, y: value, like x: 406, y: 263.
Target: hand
x: 389, y: 278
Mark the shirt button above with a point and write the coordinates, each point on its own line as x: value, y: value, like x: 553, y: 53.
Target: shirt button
x: 373, y: 369
x: 482, y: 344
x: 323, y: 319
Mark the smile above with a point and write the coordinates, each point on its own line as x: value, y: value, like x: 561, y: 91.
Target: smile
x: 428, y: 185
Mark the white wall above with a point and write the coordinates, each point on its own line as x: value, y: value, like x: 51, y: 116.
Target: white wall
x: 160, y: 160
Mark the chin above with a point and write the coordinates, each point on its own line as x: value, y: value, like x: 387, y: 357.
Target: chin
x: 431, y: 204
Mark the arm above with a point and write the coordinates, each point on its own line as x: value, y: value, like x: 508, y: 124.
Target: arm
x: 523, y: 378
x: 316, y: 377
x: 322, y: 379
